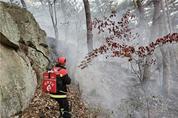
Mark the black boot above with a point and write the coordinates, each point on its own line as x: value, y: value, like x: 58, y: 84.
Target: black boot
x: 66, y: 114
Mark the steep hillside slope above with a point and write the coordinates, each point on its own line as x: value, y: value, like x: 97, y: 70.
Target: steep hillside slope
x: 21, y: 64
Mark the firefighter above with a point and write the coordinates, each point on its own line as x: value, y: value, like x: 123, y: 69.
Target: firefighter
x: 62, y: 80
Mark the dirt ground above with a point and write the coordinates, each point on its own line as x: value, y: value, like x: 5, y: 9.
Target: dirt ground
x: 42, y: 106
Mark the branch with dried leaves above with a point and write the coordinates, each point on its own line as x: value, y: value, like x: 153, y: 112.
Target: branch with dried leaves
x: 120, y: 31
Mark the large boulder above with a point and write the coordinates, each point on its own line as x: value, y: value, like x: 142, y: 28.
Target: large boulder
x: 22, y: 43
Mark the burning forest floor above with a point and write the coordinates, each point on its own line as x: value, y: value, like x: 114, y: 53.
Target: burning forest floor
x: 42, y: 106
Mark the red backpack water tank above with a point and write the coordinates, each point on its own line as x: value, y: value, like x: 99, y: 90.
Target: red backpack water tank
x: 49, y: 82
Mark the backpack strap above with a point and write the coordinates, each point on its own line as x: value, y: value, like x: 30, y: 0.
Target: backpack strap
x: 55, y: 69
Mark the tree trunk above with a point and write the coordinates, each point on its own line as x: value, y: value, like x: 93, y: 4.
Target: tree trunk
x: 23, y: 4
x: 66, y: 18
x: 159, y: 28
x: 168, y: 16
x: 52, y: 11
x: 11, y: 1
x: 141, y: 12
x: 153, y: 35
x: 165, y: 50
x: 142, y: 22
x: 166, y: 71
x: 156, y: 19
x: 89, y: 25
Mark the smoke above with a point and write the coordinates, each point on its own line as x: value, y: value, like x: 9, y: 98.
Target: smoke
x: 104, y: 84
x: 107, y: 84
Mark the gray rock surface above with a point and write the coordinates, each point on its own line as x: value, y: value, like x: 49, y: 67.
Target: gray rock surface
x: 20, y: 63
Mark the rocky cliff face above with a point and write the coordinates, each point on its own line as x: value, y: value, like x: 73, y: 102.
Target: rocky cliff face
x: 21, y: 64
